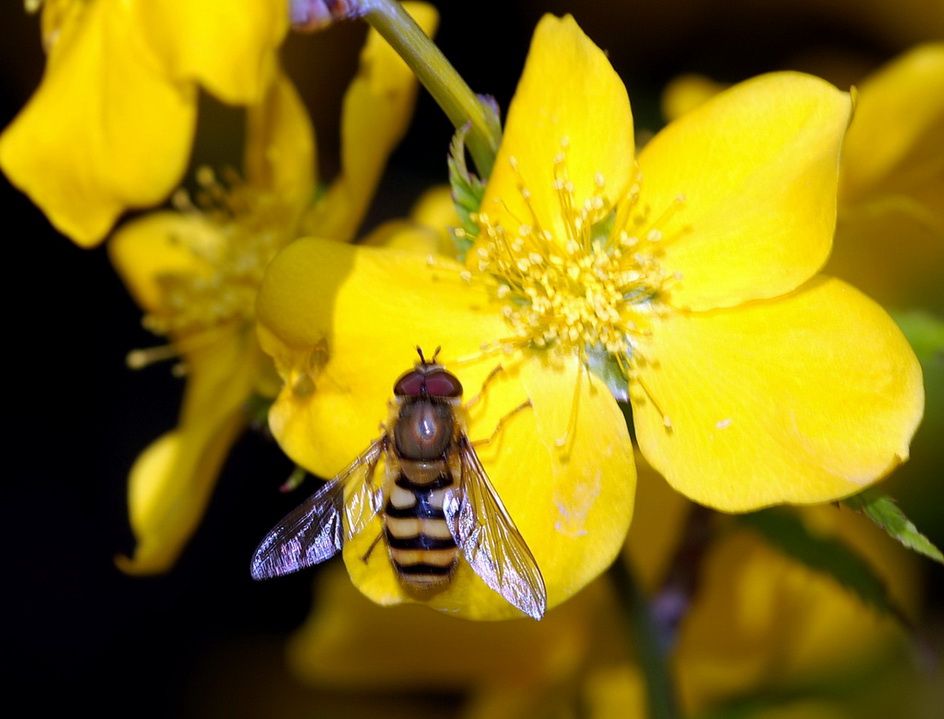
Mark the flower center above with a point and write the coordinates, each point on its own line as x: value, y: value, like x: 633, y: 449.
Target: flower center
x: 590, y: 283
x: 238, y: 229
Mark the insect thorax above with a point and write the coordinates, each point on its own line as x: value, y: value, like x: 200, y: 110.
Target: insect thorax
x: 424, y: 429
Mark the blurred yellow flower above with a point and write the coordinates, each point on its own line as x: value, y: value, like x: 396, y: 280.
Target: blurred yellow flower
x: 761, y: 623
x: 691, y: 268
x: 339, y: 638
x: 759, y: 631
x: 111, y: 124
x: 890, y: 231
x: 196, y: 274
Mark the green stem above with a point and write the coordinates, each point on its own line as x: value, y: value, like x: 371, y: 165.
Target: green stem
x: 461, y: 105
x: 644, y: 637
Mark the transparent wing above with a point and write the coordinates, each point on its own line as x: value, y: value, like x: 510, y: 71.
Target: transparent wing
x: 314, y: 531
x: 489, y: 539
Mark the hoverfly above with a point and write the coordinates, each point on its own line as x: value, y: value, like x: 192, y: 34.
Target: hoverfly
x: 434, y: 497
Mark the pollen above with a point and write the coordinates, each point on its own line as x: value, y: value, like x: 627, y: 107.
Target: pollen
x: 589, y: 281
x: 237, y: 231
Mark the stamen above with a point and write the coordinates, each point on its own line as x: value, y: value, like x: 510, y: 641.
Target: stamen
x: 238, y: 231
x: 141, y: 358
x: 595, y: 284
x: 145, y: 357
x: 666, y: 420
x: 450, y: 269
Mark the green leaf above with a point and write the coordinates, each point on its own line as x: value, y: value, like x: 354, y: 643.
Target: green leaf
x: 925, y: 333
x: 827, y: 555
x: 882, y: 510
x: 467, y: 192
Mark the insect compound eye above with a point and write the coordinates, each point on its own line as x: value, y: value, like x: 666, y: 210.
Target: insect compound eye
x: 437, y: 383
x: 410, y: 384
x: 443, y: 384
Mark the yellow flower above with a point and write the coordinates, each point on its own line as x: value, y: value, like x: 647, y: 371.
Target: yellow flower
x: 892, y: 184
x: 111, y: 124
x: 196, y: 274
x: 345, y: 632
x: 689, y: 268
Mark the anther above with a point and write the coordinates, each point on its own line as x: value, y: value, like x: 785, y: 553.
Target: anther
x: 141, y: 358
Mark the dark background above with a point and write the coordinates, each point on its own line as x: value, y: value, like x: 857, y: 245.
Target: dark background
x: 78, y: 633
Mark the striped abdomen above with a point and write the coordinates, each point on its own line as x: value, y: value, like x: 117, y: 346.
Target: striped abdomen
x: 421, y: 548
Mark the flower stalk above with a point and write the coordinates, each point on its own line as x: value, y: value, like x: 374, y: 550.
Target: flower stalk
x: 643, y: 633
x: 461, y: 105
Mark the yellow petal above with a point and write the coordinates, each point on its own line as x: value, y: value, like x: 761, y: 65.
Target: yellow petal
x: 898, y: 125
x: 428, y: 229
x: 280, y: 154
x: 171, y: 482
x: 436, y: 210
x: 891, y: 245
x: 228, y: 46
x: 658, y: 527
x: 686, y: 92
x: 572, y: 505
x: 377, y: 109
x: 149, y: 249
x: 570, y: 100
x: 105, y: 131
x: 892, y: 185
x: 168, y: 490
x: 405, y: 235
x: 614, y: 690
x: 757, y: 170
x: 342, y: 323
x: 804, y: 399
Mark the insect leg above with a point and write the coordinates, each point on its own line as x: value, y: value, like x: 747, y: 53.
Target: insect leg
x: 481, y: 392
x: 370, y: 549
x: 501, y: 423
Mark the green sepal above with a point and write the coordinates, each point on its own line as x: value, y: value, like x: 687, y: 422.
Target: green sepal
x: 832, y: 557
x: 294, y: 480
x: 467, y: 192
x: 882, y: 510
x: 257, y: 407
x: 607, y: 369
